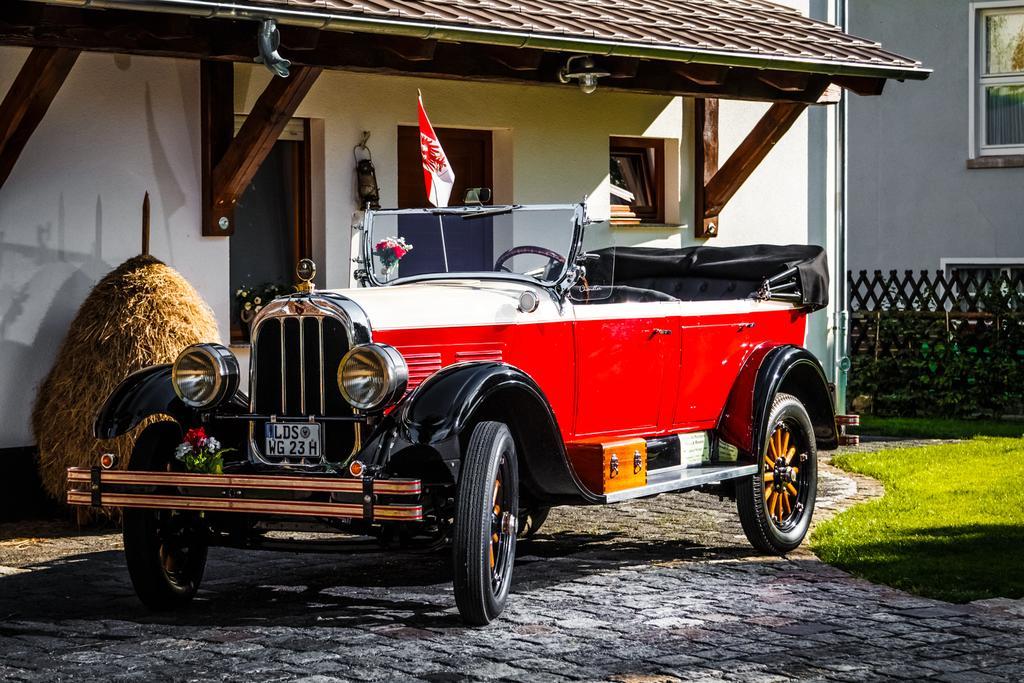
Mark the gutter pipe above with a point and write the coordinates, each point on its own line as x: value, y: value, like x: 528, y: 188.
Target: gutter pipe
x: 841, y: 365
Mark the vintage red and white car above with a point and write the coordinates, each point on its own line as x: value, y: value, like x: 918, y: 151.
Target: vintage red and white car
x: 496, y: 361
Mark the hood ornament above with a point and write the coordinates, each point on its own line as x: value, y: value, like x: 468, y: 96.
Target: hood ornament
x: 306, y: 271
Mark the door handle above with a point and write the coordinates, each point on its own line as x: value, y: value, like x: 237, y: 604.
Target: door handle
x: 659, y: 331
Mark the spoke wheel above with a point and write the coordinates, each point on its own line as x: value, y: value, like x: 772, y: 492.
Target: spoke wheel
x: 177, y: 546
x: 484, y: 533
x: 776, y: 504
x: 783, y: 475
x: 165, y: 550
x: 503, y: 530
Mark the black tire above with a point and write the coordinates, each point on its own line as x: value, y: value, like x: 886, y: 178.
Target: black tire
x: 488, y: 495
x: 165, y: 550
x: 531, y: 519
x: 774, y: 519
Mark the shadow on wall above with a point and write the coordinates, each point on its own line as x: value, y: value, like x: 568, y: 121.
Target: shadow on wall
x: 172, y: 195
x: 41, y: 288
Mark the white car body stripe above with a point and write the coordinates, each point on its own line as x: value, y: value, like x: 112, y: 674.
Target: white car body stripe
x: 475, y: 303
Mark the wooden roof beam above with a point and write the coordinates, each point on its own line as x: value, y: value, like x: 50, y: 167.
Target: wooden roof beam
x: 28, y: 100
x: 786, y: 81
x: 705, y: 161
x: 411, y: 49
x: 703, y: 74
x: 263, y: 126
x: 861, y: 86
x: 217, y: 129
x: 748, y: 156
x: 515, y: 58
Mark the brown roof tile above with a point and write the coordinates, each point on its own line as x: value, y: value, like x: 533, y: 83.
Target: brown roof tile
x: 755, y: 33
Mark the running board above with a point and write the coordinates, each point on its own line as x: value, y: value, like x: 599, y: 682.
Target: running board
x: 679, y: 478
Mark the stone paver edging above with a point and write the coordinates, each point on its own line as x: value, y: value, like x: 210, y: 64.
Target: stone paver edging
x: 658, y: 590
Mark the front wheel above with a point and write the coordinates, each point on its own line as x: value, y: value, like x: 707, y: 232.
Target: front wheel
x: 777, y: 503
x: 165, y: 549
x: 484, y: 536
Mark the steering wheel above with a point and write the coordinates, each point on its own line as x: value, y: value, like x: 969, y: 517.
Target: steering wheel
x: 552, y: 256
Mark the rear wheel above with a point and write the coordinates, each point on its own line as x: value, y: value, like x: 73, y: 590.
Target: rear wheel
x: 484, y: 535
x: 165, y: 549
x: 776, y: 504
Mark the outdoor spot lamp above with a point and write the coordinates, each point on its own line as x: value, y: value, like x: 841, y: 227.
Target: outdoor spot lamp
x: 582, y: 68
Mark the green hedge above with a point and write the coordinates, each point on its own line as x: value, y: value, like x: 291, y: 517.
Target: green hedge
x: 925, y: 364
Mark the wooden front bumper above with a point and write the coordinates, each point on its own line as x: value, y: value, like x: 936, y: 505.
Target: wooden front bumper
x: 241, y: 493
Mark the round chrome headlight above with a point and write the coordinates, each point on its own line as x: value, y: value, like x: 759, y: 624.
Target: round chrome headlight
x: 204, y: 375
x: 372, y: 376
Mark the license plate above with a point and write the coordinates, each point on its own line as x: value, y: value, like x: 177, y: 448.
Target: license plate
x: 293, y: 440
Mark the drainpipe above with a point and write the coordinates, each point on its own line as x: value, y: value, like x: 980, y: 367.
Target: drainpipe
x: 841, y: 366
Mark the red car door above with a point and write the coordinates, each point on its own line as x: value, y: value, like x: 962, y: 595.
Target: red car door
x: 712, y: 351
x: 625, y: 366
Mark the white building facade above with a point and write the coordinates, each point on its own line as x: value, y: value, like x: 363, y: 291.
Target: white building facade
x: 125, y: 125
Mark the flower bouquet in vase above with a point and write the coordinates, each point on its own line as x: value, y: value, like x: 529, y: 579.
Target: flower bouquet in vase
x: 201, y: 453
x: 389, y: 252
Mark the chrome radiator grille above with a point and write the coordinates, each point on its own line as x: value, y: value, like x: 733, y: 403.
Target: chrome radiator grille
x: 293, y: 365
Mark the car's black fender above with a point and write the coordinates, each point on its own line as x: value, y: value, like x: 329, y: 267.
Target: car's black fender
x: 768, y: 371
x: 440, y: 413
x: 142, y: 394
x: 146, y: 393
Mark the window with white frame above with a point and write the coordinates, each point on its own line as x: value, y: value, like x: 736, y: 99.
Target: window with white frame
x: 983, y: 269
x: 998, y: 73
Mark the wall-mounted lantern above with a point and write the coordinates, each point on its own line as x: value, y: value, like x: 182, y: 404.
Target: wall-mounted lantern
x: 366, y: 175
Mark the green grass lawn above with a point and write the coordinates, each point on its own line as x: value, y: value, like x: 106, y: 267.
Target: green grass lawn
x: 950, y: 526
x: 935, y: 428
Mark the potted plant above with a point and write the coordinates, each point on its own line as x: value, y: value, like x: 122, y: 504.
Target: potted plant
x: 251, y: 301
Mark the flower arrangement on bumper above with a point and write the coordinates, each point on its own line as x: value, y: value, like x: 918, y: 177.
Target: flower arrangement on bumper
x: 390, y: 251
x: 201, y: 453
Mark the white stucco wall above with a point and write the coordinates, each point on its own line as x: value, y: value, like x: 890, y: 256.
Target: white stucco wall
x: 556, y: 143
x: 121, y: 126
x: 71, y: 209
x: 559, y: 150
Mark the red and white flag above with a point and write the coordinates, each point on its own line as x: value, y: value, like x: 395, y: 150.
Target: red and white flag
x: 437, y: 172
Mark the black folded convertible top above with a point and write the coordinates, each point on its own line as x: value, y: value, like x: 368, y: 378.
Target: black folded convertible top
x: 751, y: 265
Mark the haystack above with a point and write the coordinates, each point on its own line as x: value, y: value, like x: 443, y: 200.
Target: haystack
x: 143, y: 312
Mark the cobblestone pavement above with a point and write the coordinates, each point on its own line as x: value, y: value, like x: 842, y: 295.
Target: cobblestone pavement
x: 644, y: 591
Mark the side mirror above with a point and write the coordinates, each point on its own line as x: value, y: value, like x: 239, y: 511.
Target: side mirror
x: 477, y: 196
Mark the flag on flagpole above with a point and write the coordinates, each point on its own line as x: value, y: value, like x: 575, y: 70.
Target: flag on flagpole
x: 437, y: 172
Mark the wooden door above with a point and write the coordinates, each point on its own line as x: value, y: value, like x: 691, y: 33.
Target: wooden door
x: 470, y: 155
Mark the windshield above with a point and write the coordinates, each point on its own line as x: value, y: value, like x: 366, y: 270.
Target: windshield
x: 535, y: 242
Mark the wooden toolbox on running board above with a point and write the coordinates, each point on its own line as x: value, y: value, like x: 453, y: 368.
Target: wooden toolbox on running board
x: 608, y: 466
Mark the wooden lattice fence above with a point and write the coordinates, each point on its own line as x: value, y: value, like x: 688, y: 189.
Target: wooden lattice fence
x: 937, y: 343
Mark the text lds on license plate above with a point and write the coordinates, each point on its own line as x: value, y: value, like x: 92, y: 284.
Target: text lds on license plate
x: 286, y: 439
